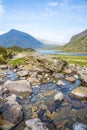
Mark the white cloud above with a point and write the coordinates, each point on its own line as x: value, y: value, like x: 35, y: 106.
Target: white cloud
x: 49, y: 12
x: 53, y: 4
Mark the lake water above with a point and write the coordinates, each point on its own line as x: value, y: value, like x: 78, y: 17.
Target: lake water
x: 60, y: 52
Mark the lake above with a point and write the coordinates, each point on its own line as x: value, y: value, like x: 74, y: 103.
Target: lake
x: 60, y: 52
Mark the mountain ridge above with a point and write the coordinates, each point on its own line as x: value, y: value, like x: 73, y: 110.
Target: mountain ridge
x: 18, y: 38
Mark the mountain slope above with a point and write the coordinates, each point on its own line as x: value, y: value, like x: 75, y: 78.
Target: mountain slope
x: 18, y: 38
x: 78, y: 43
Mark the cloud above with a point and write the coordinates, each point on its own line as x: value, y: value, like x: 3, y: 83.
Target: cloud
x: 53, y: 4
x: 48, y: 12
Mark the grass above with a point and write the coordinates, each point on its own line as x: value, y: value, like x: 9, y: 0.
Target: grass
x: 77, y: 60
x: 2, y: 60
x: 16, y: 62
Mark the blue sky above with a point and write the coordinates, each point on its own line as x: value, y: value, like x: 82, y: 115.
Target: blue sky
x: 54, y: 20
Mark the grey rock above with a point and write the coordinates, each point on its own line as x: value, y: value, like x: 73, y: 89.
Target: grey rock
x: 12, y: 110
x: 18, y: 87
x: 83, y: 76
x: 36, y: 124
x: 79, y: 126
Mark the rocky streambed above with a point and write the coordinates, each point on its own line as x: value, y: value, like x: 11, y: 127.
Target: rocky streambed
x: 48, y: 96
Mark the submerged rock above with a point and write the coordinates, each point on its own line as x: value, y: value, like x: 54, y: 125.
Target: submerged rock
x: 80, y: 92
x: 79, y: 126
x: 58, y: 97
x: 18, y: 87
x: 35, y: 124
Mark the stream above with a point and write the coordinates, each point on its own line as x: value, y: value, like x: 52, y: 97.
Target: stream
x: 57, y: 115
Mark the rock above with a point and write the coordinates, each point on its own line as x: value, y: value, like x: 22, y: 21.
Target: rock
x: 61, y: 123
x: 58, y: 97
x: 60, y: 82
x: 35, y: 124
x: 18, y: 87
x: 70, y: 79
x: 22, y: 73
x: 77, y: 104
x: 68, y: 71
x: 80, y: 92
x: 12, y: 111
x: 33, y: 81
x: 58, y: 75
x: 79, y: 126
x: 3, y: 66
x: 83, y: 76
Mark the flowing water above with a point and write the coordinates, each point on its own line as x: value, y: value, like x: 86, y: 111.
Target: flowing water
x: 41, y: 100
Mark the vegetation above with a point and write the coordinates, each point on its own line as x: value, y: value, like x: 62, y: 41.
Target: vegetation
x: 2, y: 60
x: 16, y: 62
x: 3, y: 52
x: 77, y: 60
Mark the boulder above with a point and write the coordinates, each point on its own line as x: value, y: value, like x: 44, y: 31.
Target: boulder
x: 12, y: 111
x: 35, y: 124
x: 80, y: 92
x: 79, y: 126
x: 83, y: 76
x: 18, y: 87
x: 58, y: 97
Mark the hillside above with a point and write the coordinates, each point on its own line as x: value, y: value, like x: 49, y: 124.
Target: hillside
x: 78, y: 43
x: 18, y: 38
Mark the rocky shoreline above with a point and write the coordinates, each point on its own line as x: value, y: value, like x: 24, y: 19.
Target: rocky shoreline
x: 44, y: 94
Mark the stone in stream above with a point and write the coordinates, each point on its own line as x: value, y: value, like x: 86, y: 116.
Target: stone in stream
x: 58, y: 97
x: 60, y: 82
x: 22, y: 73
x: 58, y: 75
x: 80, y: 92
x: 35, y: 124
x: 79, y: 126
x: 70, y: 79
x: 12, y: 111
x: 19, y: 87
x: 83, y: 76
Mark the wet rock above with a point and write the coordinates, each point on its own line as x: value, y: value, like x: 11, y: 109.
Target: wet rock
x: 18, y: 87
x: 33, y: 81
x: 61, y: 123
x: 83, y: 76
x: 70, y: 79
x: 58, y: 75
x: 3, y: 66
x: 35, y: 124
x: 77, y: 104
x: 12, y: 111
x: 60, y: 82
x: 68, y: 71
x: 80, y: 92
x: 22, y: 73
x: 58, y: 97
x: 79, y: 126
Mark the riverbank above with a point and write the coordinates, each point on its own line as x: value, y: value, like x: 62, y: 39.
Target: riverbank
x: 43, y: 87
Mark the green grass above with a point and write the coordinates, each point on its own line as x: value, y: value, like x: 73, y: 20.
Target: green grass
x: 16, y: 62
x: 77, y: 60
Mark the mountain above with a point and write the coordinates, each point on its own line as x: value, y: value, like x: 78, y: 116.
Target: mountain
x: 78, y: 43
x: 21, y: 39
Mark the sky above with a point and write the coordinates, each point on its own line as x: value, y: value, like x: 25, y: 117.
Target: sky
x: 53, y: 20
